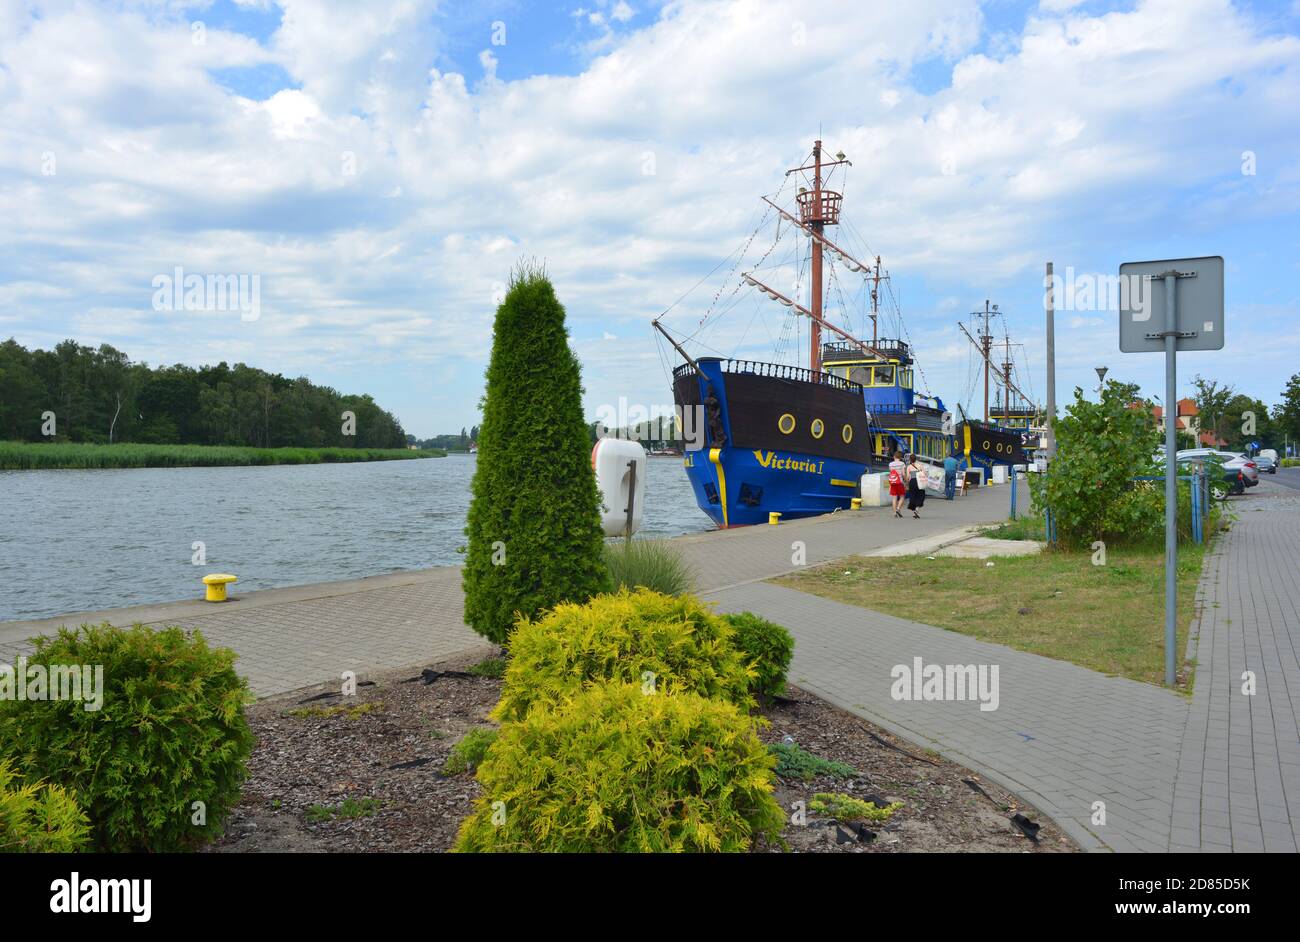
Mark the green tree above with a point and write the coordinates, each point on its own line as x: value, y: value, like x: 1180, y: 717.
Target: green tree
x: 1212, y: 401
x: 1286, y: 414
x: 1101, y: 447
x: 534, y: 521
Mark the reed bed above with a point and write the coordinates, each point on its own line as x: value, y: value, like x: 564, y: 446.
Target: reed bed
x: 43, y: 456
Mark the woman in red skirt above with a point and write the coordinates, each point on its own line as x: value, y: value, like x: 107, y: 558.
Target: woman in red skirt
x: 897, y: 485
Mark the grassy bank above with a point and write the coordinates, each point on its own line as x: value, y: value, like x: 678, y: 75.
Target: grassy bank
x: 39, y: 456
x: 1107, y: 618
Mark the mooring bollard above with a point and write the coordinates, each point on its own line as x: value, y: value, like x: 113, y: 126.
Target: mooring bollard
x: 216, y: 584
x: 774, y: 517
x: 855, y: 503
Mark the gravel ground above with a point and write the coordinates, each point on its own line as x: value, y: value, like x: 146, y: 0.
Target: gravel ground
x: 367, y: 776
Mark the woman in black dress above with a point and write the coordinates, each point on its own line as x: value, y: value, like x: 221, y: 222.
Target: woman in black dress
x: 916, y: 482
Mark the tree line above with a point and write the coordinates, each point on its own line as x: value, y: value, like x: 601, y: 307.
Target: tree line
x: 99, y: 395
x: 1235, y: 418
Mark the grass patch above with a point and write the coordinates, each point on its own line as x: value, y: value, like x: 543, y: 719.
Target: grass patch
x: 1022, y: 528
x: 654, y: 564
x: 467, y: 754
x: 794, y: 762
x: 494, y: 667
x: 42, y: 456
x: 351, y: 712
x: 1058, y: 604
x: 349, y: 808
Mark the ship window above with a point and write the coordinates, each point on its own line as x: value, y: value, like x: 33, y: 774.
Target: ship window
x: 846, y: 433
x: 785, y: 423
x: 818, y: 428
x: 860, y: 374
x: 905, y: 378
x: 884, y: 376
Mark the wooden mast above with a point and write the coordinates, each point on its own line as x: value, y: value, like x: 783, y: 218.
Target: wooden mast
x: 815, y: 334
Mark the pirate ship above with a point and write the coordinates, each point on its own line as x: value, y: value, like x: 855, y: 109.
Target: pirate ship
x: 794, y: 440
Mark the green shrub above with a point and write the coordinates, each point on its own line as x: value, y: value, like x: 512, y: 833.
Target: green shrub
x: 617, y: 770
x: 622, y: 637
x: 38, y: 818
x: 794, y: 762
x: 171, y: 732
x: 844, y: 807
x: 766, y: 647
x: 467, y: 755
x: 648, y: 564
x: 534, y: 528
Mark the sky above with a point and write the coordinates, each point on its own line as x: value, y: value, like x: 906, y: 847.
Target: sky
x: 380, y: 167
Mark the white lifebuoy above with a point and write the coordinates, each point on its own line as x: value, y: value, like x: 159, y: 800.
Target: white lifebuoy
x: 609, y: 459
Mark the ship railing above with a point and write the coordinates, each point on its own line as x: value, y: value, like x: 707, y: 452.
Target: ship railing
x: 778, y: 371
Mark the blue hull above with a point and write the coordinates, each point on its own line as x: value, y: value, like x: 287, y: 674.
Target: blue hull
x: 738, y: 487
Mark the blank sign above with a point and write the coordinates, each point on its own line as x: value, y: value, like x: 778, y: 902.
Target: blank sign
x: 1199, y: 308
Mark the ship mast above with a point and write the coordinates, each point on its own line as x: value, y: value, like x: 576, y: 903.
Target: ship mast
x: 818, y: 208
x: 1003, y: 377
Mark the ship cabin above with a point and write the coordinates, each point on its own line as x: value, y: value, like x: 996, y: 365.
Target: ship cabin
x: 1017, y: 418
x: 899, y: 418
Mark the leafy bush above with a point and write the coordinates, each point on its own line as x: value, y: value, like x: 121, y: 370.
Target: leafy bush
x: 1101, y: 446
x: 794, y: 762
x: 467, y: 755
x: 534, y: 528
x: 766, y: 647
x: 648, y: 564
x: 171, y: 732
x: 622, y: 637
x: 616, y: 769
x: 847, y: 808
x: 38, y: 818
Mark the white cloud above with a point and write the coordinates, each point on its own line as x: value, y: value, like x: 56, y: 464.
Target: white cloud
x: 1084, y: 125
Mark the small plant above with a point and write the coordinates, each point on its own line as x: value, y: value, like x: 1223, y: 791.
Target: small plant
x: 494, y: 667
x: 350, y: 712
x: 766, y: 647
x: 38, y: 818
x: 662, y: 642
x: 648, y: 564
x: 467, y: 755
x: 169, y: 738
x: 349, y: 808
x: 617, y: 770
x: 844, y: 807
x: 794, y: 762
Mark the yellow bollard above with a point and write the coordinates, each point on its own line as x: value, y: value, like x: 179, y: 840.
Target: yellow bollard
x: 774, y: 517
x: 216, y: 584
x: 855, y: 503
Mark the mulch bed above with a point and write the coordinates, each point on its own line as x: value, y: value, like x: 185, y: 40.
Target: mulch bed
x: 389, y: 742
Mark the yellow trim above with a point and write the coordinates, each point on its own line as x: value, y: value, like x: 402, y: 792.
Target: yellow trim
x: 780, y: 424
x: 836, y: 482
x: 715, y: 456
x: 817, y: 424
x: 846, y: 433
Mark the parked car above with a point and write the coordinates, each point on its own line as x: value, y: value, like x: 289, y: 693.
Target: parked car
x: 1266, y: 465
x: 1238, y: 472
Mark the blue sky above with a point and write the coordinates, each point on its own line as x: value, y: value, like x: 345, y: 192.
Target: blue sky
x: 381, y: 167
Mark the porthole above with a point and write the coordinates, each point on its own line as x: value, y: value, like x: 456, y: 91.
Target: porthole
x: 846, y: 433
x: 818, y: 428
x: 785, y: 423
x: 986, y: 444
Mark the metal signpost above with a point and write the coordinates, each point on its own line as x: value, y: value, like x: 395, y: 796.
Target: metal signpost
x: 1171, y: 305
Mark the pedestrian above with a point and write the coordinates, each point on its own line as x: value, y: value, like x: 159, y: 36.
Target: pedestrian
x: 950, y: 476
x: 897, y: 484
x: 917, y: 478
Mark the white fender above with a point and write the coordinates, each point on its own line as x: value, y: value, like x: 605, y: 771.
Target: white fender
x: 609, y: 459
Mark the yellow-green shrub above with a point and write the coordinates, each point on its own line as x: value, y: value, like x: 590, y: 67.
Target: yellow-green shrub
x: 38, y: 818
x: 615, y: 769
x: 621, y: 637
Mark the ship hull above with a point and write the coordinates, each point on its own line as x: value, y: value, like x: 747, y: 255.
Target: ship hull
x: 772, y: 439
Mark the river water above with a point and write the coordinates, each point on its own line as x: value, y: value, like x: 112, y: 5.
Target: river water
x: 82, y: 540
